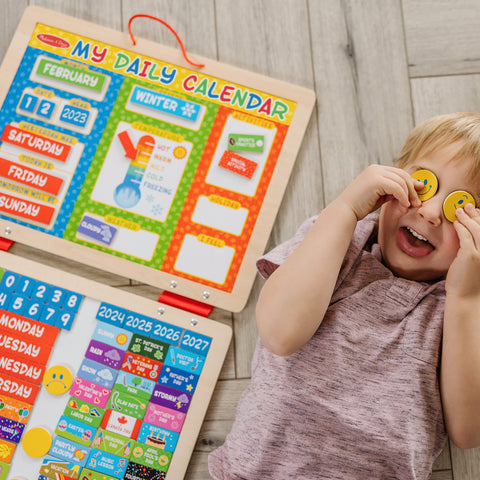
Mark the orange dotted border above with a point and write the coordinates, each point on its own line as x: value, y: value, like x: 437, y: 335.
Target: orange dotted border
x: 200, y: 187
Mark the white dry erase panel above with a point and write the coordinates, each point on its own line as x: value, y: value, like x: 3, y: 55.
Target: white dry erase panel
x: 123, y: 157
x: 94, y: 383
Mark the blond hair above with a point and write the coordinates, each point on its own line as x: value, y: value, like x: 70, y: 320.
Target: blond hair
x: 443, y: 130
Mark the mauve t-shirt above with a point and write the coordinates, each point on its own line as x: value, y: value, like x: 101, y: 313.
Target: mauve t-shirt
x: 361, y: 399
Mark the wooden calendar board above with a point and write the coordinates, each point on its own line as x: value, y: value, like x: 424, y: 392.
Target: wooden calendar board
x: 142, y: 381
x: 126, y: 158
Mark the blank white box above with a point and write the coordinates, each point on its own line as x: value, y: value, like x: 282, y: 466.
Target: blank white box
x: 203, y: 260
x: 137, y: 243
x: 220, y: 217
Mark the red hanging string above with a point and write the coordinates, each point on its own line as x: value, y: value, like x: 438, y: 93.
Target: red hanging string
x: 199, y: 65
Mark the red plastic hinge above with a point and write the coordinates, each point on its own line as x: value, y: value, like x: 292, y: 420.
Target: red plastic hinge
x: 185, y: 303
x: 5, y: 244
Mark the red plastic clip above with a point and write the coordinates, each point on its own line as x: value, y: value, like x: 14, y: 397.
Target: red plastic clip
x: 185, y: 303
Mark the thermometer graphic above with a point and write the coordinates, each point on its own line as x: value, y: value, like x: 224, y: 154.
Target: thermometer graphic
x: 128, y: 194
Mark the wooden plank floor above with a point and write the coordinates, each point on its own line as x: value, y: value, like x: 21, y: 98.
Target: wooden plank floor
x: 378, y: 67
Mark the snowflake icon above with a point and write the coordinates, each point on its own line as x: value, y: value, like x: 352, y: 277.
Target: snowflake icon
x: 157, y: 210
x: 188, y: 110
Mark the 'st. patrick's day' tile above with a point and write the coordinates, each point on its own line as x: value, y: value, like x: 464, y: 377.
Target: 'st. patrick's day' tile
x: 148, y: 347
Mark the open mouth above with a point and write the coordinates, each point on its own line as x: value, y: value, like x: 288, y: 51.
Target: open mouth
x: 412, y: 243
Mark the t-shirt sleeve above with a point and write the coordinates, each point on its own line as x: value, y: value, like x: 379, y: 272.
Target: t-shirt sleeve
x: 269, y: 262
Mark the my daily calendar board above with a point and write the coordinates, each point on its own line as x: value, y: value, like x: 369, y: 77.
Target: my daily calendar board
x: 123, y: 157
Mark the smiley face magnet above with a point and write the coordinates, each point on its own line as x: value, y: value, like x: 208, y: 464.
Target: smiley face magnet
x: 455, y: 201
x: 430, y: 184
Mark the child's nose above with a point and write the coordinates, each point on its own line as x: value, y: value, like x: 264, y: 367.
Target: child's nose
x: 431, y: 210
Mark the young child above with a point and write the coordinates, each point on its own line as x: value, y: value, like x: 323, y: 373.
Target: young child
x: 369, y: 324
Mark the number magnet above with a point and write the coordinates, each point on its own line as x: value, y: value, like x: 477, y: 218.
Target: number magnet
x: 455, y: 201
x: 429, y: 181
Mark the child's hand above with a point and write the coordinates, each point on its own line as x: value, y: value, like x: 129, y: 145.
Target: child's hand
x: 463, y: 276
x: 379, y: 184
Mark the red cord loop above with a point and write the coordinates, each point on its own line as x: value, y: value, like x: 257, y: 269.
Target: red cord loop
x: 199, y: 65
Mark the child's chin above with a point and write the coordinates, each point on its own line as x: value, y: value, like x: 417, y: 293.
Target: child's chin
x: 418, y: 275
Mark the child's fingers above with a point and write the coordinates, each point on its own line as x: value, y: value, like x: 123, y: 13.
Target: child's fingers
x: 413, y: 186
x: 410, y: 186
x: 397, y: 189
x: 464, y: 237
x: 417, y: 186
x: 468, y: 224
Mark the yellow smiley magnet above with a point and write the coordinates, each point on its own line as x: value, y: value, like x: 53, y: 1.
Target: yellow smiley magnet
x: 430, y: 184
x: 455, y: 201
x: 57, y: 380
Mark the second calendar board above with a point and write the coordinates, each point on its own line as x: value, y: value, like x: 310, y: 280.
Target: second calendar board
x: 122, y: 157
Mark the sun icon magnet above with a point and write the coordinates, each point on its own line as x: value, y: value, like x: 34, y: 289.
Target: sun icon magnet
x: 454, y: 201
x: 57, y: 380
x: 430, y: 184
